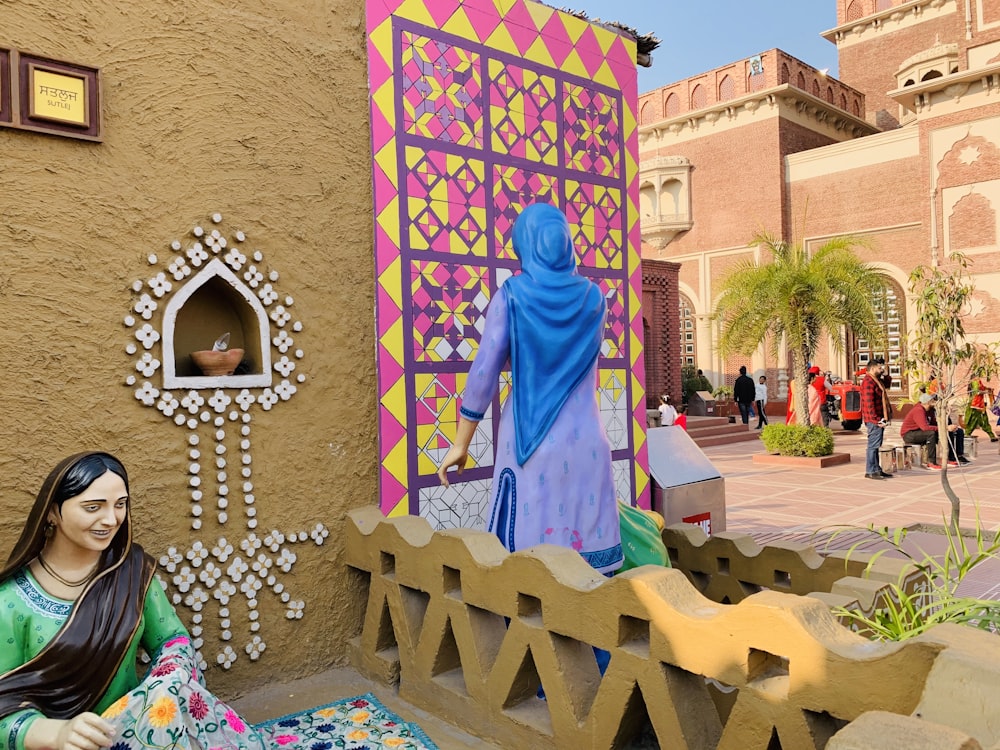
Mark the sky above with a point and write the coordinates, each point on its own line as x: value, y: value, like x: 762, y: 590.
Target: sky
x: 698, y: 35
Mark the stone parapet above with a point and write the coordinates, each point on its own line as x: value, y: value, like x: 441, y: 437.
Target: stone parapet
x: 471, y: 633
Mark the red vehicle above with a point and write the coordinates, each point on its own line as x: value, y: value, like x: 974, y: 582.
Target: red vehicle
x: 844, y: 403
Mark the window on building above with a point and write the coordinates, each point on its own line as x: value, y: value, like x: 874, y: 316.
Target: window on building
x: 646, y: 113
x: 800, y: 81
x: 855, y: 11
x: 784, y: 73
x: 698, y: 97
x: 815, y: 88
x: 890, y: 311
x: 672, y: 107
x: 689, y: 342
x: 727, y: 88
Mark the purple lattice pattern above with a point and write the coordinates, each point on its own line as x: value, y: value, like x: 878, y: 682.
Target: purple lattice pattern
x: 448, y: 303
x: 523, y: 113
x: 513, y: 189
x: 442, y: 91
x: 595, y: 217
x: 616, y: 327
x: 592, y: 131
x: 446, y: 202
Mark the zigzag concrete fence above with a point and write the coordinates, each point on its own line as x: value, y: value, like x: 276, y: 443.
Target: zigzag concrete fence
x: 470, y: 633
x: 729, y: 567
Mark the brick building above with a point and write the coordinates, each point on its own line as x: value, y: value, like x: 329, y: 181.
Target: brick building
x: 903, y: 151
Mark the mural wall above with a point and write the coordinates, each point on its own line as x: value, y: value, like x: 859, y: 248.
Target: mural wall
x: 479, y: 109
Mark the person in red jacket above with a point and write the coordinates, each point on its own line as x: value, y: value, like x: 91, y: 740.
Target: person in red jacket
x: 875, y: 414
x: 917, y: 429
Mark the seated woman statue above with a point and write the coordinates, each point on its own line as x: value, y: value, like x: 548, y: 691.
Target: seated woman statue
x: 77, y: 601
x: 552, y: 476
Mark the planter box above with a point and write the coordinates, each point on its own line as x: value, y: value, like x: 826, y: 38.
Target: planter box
x: 804, y: 462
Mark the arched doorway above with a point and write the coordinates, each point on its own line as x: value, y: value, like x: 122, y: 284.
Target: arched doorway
x: 891, y: 313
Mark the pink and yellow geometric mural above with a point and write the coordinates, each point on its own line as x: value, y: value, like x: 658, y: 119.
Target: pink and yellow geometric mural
x: 480, y: 108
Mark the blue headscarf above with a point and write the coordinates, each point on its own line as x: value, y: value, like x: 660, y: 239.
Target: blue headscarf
x: 556, y: 320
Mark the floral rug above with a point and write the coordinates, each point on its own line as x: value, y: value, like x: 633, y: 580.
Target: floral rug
x: 360, y: 723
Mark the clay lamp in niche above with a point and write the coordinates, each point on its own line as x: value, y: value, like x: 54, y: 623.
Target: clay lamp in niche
x: 220, y: 359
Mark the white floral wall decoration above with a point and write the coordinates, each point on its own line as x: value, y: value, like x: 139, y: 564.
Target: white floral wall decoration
x: 230, y: 558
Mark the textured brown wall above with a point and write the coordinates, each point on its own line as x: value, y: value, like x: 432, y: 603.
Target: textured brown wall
x: 257, y: 111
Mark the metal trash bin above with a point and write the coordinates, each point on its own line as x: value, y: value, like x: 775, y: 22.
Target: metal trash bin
x: 701, y: 404
x: 687, y: 488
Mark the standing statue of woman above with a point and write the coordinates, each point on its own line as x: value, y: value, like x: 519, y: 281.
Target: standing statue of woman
x: 77, y: 601
x: 552, y: 477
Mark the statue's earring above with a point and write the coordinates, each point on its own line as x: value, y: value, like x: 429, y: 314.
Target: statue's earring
x: 50, y: 529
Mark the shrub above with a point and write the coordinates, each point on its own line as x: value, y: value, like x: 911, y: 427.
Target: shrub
x: 689, y: 381
x: 797, y: 440
x: 907, y: 613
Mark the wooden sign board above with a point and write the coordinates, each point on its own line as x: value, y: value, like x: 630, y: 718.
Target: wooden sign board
x: 49, y: 96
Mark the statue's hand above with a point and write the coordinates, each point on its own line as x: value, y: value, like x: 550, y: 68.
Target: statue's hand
x: 456, y: 457
x: 86, y: 731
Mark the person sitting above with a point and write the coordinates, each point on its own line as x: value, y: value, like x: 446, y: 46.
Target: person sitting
x: 956, y: 439
x: 668, y: 414
x: 917, y: 429
x: 77, y: 601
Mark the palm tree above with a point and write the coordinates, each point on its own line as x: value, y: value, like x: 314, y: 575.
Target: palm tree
x: 795, y: 297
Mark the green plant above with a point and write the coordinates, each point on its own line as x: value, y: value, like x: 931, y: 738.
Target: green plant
x: 907, y: 610
x: 690, y: 382
x: 792, y: 296
x: 797, y: 440
x: 938, y: 347
x: 722, y: 393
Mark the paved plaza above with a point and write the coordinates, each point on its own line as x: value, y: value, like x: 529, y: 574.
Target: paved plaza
x: 763, y: 498
x: 773, y: 503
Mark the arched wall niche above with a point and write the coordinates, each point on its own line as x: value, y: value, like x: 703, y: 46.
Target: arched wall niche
x: 212, y: 303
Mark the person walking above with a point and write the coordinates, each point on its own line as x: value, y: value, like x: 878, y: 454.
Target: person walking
x: 976, y: 416
x: 760, y: 396
x: 874, y: 413
x: 744, y: 393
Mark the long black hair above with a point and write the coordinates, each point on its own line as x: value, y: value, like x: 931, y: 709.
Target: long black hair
x: 71, y: 673
x: 84, y: 473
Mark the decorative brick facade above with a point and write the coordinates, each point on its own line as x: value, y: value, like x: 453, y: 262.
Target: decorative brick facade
x: 904, y: 154
x: 661, y: 324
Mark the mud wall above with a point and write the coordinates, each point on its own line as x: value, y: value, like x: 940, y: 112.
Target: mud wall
x: 260, y: 116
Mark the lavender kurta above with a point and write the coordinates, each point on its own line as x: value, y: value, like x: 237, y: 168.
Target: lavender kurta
x: 565, y: 492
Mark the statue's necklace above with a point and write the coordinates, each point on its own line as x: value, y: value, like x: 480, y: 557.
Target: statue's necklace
x: 63, y: 581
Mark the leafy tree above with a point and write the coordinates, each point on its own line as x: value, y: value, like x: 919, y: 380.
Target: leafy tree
x: 938, y: 347
x: 794, y: 298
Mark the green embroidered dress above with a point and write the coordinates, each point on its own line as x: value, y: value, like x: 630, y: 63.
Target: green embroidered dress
x: 169, y: 708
